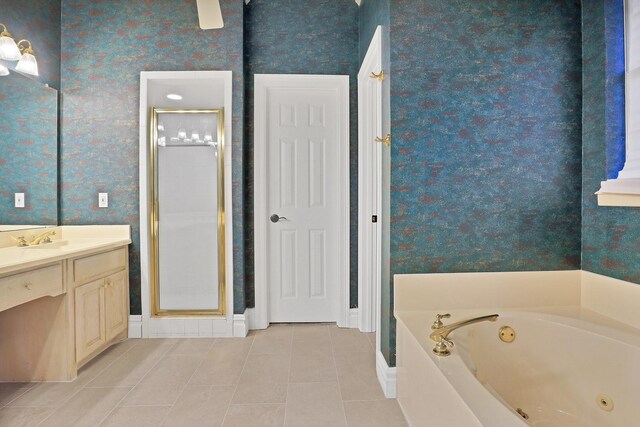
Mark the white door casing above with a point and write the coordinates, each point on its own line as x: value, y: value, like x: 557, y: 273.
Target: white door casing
x: 369, y: 186
x: 301, y: 173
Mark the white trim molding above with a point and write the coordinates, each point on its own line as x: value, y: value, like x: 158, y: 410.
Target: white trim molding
x: 619, y: 192
x: 369, y: 185
x: 354, y: 319
x: 135, y: 326
x: 386, y: 376
x: 263, y: 83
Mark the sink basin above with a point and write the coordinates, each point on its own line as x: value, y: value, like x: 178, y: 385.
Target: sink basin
x: 56, y: 244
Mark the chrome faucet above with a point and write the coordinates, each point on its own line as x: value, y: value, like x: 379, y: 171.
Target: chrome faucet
x: 43, y: 238
x: 440, y: 334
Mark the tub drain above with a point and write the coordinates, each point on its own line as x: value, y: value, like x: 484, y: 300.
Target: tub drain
x: 605, y: 402
x: 522, y: 413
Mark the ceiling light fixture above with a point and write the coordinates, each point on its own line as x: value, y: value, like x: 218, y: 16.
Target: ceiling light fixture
x: 28, y: 63
x: 174, y: 97
x: 9, y: 50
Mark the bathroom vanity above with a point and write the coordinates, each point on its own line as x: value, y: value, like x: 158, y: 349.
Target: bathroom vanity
x: 63, y: 302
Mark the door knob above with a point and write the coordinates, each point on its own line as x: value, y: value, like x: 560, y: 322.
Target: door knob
x: 275, y: 218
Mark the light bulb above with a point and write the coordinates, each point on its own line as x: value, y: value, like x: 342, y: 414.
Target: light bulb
x: 182, y: 134
x: 162, y: 141
x: 208, y: 139
x: 195, y: 136
x: 160, y: 127
x: 28, y: 64
x: 9, y: 50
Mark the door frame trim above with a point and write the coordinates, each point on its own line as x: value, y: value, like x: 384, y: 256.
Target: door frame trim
x: 369, y: 283
x: 262, y: 83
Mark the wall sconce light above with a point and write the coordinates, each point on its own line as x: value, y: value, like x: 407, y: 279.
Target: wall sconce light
x: 9, y: 50
x: 27, y: 63
x: 12, y: 51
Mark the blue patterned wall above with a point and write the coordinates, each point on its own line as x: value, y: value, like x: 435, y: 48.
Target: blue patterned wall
x: 39, y: 22
x: 486, y: 119
x: 28, y: 151
x: 610, y: 235
x: 301, y: 37
x: 105, y: 46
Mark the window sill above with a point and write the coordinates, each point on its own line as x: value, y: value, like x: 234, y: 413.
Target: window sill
x: 619, y: 192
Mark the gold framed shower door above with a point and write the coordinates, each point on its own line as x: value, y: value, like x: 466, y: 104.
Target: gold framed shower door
x: 154, y: 217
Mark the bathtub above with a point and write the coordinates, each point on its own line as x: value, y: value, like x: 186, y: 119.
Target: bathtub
x: 568, y: 366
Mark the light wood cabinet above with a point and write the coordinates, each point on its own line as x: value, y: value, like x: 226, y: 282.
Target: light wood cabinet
x: 90, y: 316
x: 102, y: 305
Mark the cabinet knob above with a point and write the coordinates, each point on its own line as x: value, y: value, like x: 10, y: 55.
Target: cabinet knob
x: 27, y: 286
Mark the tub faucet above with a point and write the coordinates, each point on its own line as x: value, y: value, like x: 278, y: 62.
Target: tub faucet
x: 440, y: 335
x: 43, y: 238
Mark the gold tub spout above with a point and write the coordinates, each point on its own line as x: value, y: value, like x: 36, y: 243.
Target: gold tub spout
x: 441, y: 334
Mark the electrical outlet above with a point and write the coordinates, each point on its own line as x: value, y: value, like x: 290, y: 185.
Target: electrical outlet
x: 19, y: 200
x: 103, y: 200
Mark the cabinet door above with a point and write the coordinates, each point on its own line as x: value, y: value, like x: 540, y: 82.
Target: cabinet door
x: 90, y: 319
x: 117, y: 309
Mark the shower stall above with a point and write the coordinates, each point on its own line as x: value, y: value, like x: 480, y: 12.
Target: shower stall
x: 186, y: 233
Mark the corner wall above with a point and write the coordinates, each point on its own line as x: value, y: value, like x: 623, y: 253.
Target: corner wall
x: 610, y: 235
x: 486, y: 121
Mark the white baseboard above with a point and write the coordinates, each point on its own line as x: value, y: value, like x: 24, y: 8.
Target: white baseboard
x: 386, y: 376
x: 135, y: 326
x: 353, y: 318
x: 242, y: 323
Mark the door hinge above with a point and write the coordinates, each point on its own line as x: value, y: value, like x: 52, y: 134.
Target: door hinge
x: 377, y: 76
x: 374, y: 218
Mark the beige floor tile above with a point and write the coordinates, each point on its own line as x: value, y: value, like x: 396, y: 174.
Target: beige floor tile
x: 11, y: 391
x: 87, y: 408
x: 360, y: 387
x: 314, y: 404
x: 276, y: 339
x: 312, y: 332
x: 136, y: 416
x: 192, y: 345
x: 129, y: 369
x: 260, y: 393
x: 97, y: 365
x: 47, y: 394
x: 230, y: 348
x: 315, y: 345
x: 382, y: 413
x: 312, y: 365
x: 265, y: 369
x: 200, y: 405
x: 22, y: 416
x: 262, y: 415
x: 359, y: 362
x: 348, y: 340
x: 372, y: 339
x: 164, y: 383
x: 215, y: 371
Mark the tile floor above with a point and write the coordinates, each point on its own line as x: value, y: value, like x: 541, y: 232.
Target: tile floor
x: 287, y: 375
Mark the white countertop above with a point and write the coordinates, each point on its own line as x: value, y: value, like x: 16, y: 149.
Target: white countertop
x: 69, y: 242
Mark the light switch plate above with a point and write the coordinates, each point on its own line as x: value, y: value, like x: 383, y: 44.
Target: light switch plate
x: 19, y: 200
x: 103, y: 200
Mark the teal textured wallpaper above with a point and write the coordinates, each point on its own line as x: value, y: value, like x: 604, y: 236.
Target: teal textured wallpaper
x: 610, y: 235
x: 486, y: 119
x: 105, y: 46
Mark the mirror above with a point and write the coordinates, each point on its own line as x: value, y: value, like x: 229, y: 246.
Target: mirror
x: 28, y: 153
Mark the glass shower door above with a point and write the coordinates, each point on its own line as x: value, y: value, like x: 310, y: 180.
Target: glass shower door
x: 188, y: 212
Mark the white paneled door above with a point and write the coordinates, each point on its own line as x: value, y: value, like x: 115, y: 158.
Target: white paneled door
x: 303, y: 136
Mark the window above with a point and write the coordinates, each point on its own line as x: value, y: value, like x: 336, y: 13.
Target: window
x: 624, y: 190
